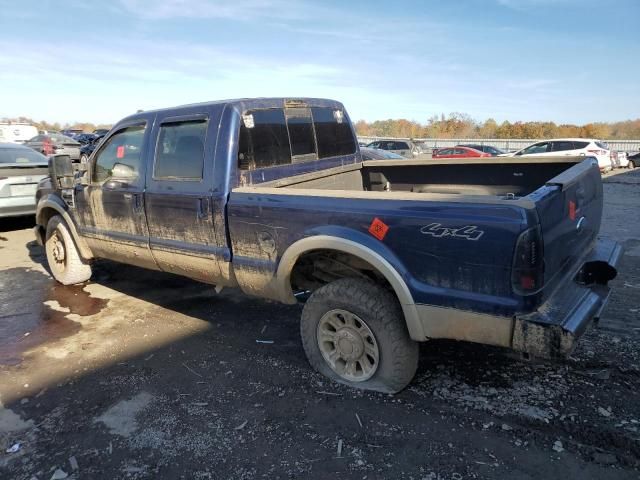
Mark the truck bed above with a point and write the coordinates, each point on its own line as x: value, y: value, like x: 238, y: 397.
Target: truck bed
x: 498, y: 176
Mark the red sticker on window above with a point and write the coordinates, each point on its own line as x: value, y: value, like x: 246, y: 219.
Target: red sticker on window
x: 572, y: 210
x: 378, y: 228
x: 120, y: 152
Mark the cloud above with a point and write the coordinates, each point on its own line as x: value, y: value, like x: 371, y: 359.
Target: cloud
x: 240, y: 10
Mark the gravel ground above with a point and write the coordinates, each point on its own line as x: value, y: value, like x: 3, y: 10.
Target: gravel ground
x: 140, y: 374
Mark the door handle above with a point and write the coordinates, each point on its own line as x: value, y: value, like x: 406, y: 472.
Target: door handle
x: 203, y: 208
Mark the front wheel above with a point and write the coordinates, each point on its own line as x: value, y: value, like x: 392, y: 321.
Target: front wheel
x: 63, y: 257
x: 353, y: 332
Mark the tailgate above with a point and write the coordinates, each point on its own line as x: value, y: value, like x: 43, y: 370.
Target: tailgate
x: 569, y: 209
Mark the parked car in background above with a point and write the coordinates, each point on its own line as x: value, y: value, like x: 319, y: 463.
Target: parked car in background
x: 401, y: 147
x: 569, y: 147
x: 623, y: 159
x: 87, y: 149
x: 493, y: 151
x: 84, y: 138
x: 21, y: 168
x: 71, y: 132
x: 633, y: 160
x: 459, y: 152
x: 16, y: 132
x: 379, y: 154
x: 56, y: 143
x: 101, y: 131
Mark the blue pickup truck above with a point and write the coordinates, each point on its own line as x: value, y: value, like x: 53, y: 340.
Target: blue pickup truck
x: 271, y: 195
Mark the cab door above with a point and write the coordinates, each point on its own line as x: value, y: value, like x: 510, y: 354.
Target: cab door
x: 178, y: 195
x: 110, y: 206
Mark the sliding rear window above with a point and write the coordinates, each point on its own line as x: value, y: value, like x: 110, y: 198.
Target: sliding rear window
x: 276, y: 136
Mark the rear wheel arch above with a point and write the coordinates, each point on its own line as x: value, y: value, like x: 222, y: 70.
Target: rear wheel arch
x: 374, y: 261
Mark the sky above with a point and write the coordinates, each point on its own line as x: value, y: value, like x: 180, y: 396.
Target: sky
x: 568, y: 61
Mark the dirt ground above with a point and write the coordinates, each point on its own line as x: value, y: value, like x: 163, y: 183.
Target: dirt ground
x: 139, y: 374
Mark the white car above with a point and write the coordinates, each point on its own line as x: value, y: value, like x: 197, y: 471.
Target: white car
x: 623, y: 160
x: 570, y: 147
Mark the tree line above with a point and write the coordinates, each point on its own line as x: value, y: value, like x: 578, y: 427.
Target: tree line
x: 454, y: 125
x: 461, y: 125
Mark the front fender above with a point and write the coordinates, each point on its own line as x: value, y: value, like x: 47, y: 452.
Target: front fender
x: 50, y: 205
x: 362, y: 246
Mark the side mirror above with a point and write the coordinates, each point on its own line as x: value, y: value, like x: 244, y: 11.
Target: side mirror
x: 121, y: 171
x: 61, y: 171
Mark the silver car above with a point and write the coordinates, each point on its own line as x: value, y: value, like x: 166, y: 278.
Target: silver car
x: 21, y: 169
x: 55, y: 143
x: 401, y: 147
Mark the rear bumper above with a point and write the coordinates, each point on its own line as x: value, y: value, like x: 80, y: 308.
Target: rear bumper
x: 17, y: 206
x: 553, y: 329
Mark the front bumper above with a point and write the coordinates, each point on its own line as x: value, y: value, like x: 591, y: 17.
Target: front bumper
x: 553, y: 329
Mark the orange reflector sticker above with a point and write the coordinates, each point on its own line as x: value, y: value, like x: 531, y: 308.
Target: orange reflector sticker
x: 378, y: 228
x: 572, y: 210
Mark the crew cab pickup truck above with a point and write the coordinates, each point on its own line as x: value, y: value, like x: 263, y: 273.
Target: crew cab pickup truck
x: 271, y: 196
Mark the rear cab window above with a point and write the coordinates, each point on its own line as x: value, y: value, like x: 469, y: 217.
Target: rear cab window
x: 277, y: 136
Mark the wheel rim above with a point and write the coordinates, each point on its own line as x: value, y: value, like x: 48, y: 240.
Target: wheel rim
x: 348, y: 345
x: 57, y: 252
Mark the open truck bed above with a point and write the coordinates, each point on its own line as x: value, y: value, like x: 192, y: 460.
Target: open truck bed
x: 272, y: 196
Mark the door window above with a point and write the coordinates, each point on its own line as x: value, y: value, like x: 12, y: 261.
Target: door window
x: 121, y: 151
x: 180, y: 150
x: 562, y: 146
x: 445, y: 152
x: 541, y: 147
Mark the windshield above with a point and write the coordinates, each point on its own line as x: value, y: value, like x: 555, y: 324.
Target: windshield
x: 21, y: 155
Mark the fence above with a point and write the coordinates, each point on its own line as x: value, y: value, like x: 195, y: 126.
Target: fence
x: 509, y: 145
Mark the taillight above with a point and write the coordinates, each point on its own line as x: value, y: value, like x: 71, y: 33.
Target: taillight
x: 527, y: 275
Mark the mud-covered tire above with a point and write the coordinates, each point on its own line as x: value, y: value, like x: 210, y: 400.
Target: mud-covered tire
x: 379, y: 311
x: 64, y: 260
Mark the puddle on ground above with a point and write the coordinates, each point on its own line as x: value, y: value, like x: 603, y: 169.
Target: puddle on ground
x: 26, y: 321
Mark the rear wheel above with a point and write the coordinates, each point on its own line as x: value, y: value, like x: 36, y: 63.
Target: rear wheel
x: 631, y: 164
x: 353, y: 332
x: 63, y: 257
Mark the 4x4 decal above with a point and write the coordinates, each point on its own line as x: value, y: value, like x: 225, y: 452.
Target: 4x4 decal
x: 469, y: 232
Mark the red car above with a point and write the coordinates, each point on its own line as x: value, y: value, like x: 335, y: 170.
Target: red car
x: 459, y: 152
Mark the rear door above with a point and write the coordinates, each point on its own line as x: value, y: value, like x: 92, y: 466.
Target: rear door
x: 569, y: 208
x: 178, y: 196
